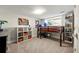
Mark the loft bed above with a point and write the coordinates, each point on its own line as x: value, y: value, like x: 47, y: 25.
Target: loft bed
x: 51, y: 29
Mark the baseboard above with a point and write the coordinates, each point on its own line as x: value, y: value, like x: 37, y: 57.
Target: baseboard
x: 9, y: 42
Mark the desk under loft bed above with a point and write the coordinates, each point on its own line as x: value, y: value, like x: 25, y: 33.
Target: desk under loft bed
x: 51, y: 29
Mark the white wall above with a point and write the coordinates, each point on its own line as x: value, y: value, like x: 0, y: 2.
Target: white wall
x: 76, y: 22
x: 32, y: 24
x: 55, y: 20
x: 10, y: 26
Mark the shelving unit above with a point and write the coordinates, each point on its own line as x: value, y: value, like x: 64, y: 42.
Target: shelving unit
x: 23, y: 31
x: 69, y: 26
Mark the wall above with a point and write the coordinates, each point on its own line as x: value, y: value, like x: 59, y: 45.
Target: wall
x: 76, y: 31
x: 10, y: 26
x: 32, y: 24
x: 55, y: 21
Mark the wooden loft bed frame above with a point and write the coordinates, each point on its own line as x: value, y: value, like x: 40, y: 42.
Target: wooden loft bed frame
x: 50, y: 29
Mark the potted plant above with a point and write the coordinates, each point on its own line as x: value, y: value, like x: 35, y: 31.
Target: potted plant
x: 2, y: 22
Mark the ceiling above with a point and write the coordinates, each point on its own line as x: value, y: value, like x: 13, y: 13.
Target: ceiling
x: 26, y: 10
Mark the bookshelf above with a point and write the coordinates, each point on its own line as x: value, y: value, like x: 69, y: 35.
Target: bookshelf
x: 23, y: 31
x: 69, y: 26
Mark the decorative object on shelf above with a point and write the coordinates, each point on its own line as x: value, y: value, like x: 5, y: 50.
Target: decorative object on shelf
x: 23, y: 21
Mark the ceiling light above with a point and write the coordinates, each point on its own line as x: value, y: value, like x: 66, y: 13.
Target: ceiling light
x: 39, y: 11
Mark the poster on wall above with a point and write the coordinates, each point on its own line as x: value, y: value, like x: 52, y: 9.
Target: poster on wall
x: 36, y: 23
x: 23, y: 21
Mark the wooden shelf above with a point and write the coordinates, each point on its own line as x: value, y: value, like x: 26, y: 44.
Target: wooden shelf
x: 68, y: 30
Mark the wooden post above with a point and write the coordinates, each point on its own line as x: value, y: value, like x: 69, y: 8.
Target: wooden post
x: 61, y: 39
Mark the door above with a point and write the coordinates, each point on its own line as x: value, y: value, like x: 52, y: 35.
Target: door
x: 76, y: 29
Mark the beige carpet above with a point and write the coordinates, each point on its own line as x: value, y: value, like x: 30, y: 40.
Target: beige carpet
x: 40, y: 46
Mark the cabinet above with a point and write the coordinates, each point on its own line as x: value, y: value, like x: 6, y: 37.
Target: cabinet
x: 3, y: 44
x: 24, y: 33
